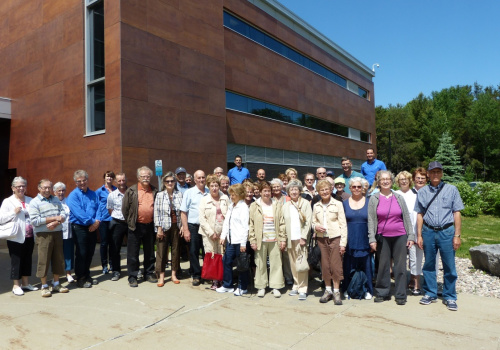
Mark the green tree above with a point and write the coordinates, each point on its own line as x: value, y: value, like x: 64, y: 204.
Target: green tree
x: 447, y: 155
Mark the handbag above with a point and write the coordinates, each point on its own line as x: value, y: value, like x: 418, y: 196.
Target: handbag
x: 314, y: 256
x: 243, y: 262
x: 301, y: 264
x: 9, y: 229
x: 212, y: 267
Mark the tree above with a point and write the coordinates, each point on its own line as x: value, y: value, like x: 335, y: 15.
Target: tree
x: 447, y: 155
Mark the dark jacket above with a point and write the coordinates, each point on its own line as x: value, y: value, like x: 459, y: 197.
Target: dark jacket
x: 130, y: 205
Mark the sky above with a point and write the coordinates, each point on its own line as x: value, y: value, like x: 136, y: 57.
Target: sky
x: 421, y: 45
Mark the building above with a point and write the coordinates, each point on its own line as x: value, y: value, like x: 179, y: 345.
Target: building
x: 109, y: 84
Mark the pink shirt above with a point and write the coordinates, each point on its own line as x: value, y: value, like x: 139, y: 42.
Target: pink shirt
x: 390, y: 217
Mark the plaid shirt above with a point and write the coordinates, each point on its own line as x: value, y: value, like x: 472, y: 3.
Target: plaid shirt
x: 162, y: 216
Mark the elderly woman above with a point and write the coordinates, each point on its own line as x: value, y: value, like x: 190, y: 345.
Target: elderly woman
x: 212, y: 211
x: 389, y: 218
x: 284, y: 182
x: 249, y: 191
x: 357, y: 253
x: 277, y: 191
x: 167, y: 221
x: 291, y: 174
x: 15, y: 208
x: 297, y: 215
x: 105, y: 219
x: 267, y: 238
x: 68, y: 244
x: 224, y: 184
x: 330, y: 228
x: 235, y: 232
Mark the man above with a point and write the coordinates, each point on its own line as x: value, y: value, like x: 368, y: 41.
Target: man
x: 238, y: 173
x: 320, y: 174
x: 331, y: 174
x: 218, y: 171
x: 180, y: 174
x: 261, y: 175
x: 340, y: 194
x: 372, y: 165
x: 439, y: 225
x: 118, y: 226
x: 83, y: 205
x: 137, y: 209
x: 348, y: 173
x: 46, y: 215
x: 191, y: 223
x: 309, y: 185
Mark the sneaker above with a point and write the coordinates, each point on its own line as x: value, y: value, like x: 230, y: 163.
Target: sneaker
x: 70, y: 279
x: 302, y: 296
x: 451, y: 305
x: 132, y: 282
x: 151, y: 279
x: 426, y: 300
x: 46, y: 293
x: 29, y: 287
x: 139, y: 275
x: 336, y: 298
x: 326, y: 297
x: 18, y: 291
x: 59, y: 289
x: 239, y: 292
x: 261, y: 293
x: 224, y: 290
x: 84, y: 284
x: 116, y: 276
x: 400, y: 301
x: 293, y: 293
x: 276, y: 293
x: 346, y: 295
x: 105, y: 270
x: 214, y: 285
x: 368, y: 296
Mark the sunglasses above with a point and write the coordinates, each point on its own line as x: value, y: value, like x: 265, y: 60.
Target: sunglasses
x: 169, y: 181
x: 357, y: 187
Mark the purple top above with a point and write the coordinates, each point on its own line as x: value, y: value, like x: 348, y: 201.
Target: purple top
x: 390, y: 217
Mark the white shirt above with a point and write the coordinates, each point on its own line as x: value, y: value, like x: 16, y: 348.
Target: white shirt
x: 410, y: 199
x: 236, y: 224
x: 294, y: 223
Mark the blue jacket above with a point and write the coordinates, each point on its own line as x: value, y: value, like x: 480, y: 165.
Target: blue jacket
x: 102, y: 197
x: 83, y: 207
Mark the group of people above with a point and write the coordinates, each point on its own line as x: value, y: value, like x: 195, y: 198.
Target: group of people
x: 271, y: 221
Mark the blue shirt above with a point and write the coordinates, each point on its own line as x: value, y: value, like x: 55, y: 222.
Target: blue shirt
x: 190, y: 203
x: 183, y: 188
x: 442, y: 208
x: 346, y: 178
x: 83, y: 207
x: 238, y: 175
x: 102, y: 196
x: 369, y: 170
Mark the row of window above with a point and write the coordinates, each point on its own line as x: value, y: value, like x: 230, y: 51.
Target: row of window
x: 272, y: 44
x: 264, y: 109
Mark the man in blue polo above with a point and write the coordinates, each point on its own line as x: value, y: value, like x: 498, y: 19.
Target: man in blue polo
x: 239, y: 173
x: 372, y: 165
x: 439, y: 224
x: 348, y: 173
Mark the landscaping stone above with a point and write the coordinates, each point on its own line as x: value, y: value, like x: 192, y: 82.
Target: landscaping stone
x: 486, y: 257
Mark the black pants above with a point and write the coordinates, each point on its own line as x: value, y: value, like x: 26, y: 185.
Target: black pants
x: 195, y: 245
x: 117, y: 230
x: 392, y: 247
x: 20, y: 258
x: 145, y: 234
x: 85, y: 242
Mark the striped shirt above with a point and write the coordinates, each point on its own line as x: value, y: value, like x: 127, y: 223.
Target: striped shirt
x: 42, y: 208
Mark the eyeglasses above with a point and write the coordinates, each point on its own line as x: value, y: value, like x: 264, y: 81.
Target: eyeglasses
x: 169, y: 181
x: 357, y: 187
x: 145, y: 176
x: 309, y: 179
x: 20, y: 186
x: 81, y: 181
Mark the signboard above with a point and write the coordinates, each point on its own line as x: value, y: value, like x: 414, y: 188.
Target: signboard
x: 158, y: 167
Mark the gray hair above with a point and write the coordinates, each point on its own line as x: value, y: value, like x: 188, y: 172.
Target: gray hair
x: 18, y: 179
x: 80, y: 173
x: 215, y: 170
x: 276, y: 181
x: 385, y: 172
x: 294, y: 183
x: 58, y: 185
x: 356, y: 179
x: 144, y: 168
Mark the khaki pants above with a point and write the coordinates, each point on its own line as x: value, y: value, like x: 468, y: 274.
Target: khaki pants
x: 211, y: 246
x: 300, y: 279
x: 276, y: 280
x: 50, y: 250
x: 287, y: 271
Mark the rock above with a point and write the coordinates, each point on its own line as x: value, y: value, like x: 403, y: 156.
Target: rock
x: 486, y: 257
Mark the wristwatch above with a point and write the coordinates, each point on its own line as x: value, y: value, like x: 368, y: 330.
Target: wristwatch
x: 457, y: 236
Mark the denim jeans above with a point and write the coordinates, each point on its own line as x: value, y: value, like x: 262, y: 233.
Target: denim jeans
x: 195, y: 244
x: 117, y: 230
x: 106, y: 245
x: 442, y: 240
x: 69, y: 253
x: 85, y: 242
x: 232, y: 252
x: 145, y: 234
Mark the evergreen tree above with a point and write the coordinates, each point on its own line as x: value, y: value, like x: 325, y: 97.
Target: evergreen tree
x: 446, y: 154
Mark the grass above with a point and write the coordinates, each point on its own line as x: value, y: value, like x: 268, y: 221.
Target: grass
x: 484, y: 229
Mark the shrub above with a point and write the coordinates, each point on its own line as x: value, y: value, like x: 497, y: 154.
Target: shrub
x: 471, y: 199
x: 489, y: 193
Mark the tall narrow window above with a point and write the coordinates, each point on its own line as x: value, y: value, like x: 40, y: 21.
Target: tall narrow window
x: 94, y: 67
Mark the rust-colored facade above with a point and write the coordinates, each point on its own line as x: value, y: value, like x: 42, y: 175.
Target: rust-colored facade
x: 168, y: 65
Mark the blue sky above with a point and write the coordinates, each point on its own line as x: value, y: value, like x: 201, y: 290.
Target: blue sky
x: 421, y: 45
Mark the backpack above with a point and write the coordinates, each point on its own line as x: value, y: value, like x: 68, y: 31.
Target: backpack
x: 357, y: 286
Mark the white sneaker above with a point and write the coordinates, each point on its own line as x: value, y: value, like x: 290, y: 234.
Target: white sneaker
x: 276, y: 293
x: 29, y: 287
x: 17, y: 291
x: 261, y: 293
x: 239, y: 292
x: 70, y: 278
x: 346, y: 295
x: 368, y: 296
x: 302, y: 296
x: 224, y: 290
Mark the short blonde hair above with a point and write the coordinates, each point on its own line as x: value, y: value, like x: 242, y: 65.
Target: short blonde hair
x: 406, y: 175
x: 239, y: 190
x: 322, y: 184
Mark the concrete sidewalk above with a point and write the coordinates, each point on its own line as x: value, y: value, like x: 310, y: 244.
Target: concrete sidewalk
x: 112, y: 315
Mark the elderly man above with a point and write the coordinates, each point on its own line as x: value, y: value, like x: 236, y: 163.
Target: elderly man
x: 372, y: 165
x: 239, y: 173
x: 118, y: 226
x: 180, y: 175
x: 83, y: 204
x: 261, y: 175
x: 439, y: 225
x: 191, y: 223
x: 137, y: 209
x: 218, y: 172
x: 47, y: 215
x: 348, y: 173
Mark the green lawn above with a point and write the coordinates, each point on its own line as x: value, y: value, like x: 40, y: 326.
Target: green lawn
x: 484, y: 229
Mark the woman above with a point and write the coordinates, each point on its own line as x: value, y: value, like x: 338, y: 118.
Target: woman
x: 284, y: 182
x: 212, y: 211
x: 297, y: 215
x: 277, y: 191
x: 256, y: 191
x: 291, y: 174
x: 103, y: 215
x: 309, y: 185
x: 267, y: 238
x: 68, y: 243
x: 330, y: 228
x: 224, y: 184
x: 357, y: 253
x: 249, y: 187
x: 340, y: 195
x: 235, y: 231
x: 21, y: 245
x: 388, y: 217
x: 167, y: 220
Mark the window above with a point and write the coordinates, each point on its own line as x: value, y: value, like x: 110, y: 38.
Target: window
x: 94, y: 67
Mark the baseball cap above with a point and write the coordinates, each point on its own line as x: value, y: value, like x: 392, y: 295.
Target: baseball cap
x: 180, y: 170
x: 434, y: 165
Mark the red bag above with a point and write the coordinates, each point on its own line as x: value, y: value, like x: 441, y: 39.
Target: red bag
x: 212, y: 267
